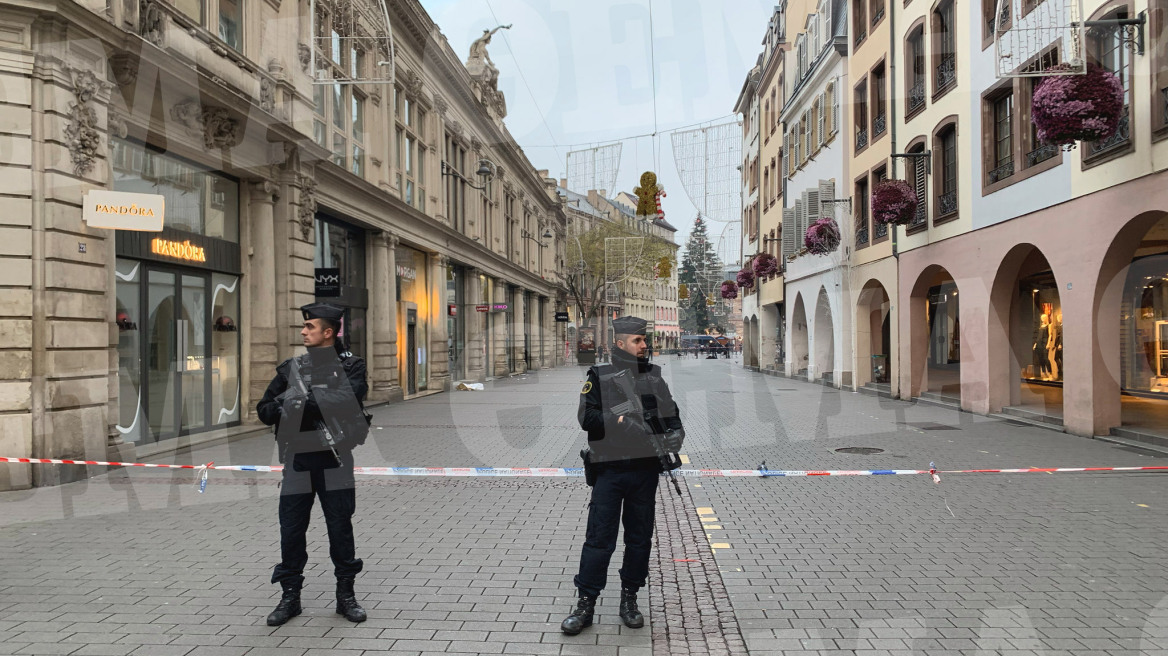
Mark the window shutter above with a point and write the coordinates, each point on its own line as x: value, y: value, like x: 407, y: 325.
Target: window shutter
x: 811, y: 197
x: 789, y: 231
x: 822, y: 111
x: 922, y: 192
x: 825, y: 193
x: 835, y: 105
x: 800, y: 223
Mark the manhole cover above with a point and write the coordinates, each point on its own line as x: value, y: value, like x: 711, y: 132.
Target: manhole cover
x: 860, y: 450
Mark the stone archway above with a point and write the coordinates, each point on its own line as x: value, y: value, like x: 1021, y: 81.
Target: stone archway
x: 873, y: 336
x: 1025, y: 337
x: 798, y: 360
x: 823, y: 361
x: 935, y: 336
x: 1130, y: 352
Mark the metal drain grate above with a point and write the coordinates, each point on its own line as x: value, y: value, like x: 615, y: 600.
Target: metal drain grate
x: 860, y: 450
x: 929, y: 426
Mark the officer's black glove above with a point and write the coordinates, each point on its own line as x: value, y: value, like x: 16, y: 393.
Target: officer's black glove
x: 673, y: 440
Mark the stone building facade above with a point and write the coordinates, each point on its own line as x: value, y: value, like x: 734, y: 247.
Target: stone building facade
x: 363, y: 191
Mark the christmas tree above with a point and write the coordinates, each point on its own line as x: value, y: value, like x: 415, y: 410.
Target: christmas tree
x: 701, y: 272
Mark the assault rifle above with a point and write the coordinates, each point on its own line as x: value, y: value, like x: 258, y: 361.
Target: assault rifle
x: 633, y: 406
x: 298, y: 393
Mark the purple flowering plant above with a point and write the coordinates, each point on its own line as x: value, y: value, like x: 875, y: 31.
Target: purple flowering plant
x: 765, y: 265
x: 823, y: 236
x: 729, y: 289
x: 1070, y: 108
x: 746, y: 277
x: 894, y: 202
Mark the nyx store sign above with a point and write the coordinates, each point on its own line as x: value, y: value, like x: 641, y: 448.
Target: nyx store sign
x: 328, y: 282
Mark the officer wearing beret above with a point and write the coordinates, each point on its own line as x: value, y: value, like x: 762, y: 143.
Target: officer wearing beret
x: 315, y: 403
x: 634, y: 433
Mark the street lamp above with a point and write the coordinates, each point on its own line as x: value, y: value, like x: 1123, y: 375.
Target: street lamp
x: 547, y: 234
x: 486, y: 172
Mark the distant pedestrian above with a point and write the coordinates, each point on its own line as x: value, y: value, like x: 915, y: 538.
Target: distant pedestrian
x: 315, y: 404
x: 634, y: 434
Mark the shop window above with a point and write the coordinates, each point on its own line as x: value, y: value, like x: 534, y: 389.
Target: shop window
x: 198, y: 200
x: 1040, y: 328
x: 225, y: 380
x: 1106, y: 48
x: 1144, y: 326
x: 944, y: 49
x: 131, y: 416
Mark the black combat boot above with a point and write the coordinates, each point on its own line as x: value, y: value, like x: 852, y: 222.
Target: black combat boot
x: 347, y: 601
x: 289, y: 605
x: 628, y: 609
x: 581, y: 617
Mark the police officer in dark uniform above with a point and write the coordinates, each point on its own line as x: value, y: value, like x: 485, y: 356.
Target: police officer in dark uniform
x: 315, y: 404
x: 634, y: 433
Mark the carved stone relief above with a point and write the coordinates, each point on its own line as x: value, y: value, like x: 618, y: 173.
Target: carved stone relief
x: 267, y: 94
x: 152, y: 22
x: 81, y: 133
x: 440, y: 105
x: 306, y: 214
x: 455, y: 128
x: 476, y: 144
x: 214, y: 124
x: 125, y: 69
x: 412, y: 82
x: 304, y: 54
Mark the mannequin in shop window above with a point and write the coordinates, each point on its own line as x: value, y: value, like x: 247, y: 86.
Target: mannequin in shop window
x: 1041, y: 340
x: 1054, y: 346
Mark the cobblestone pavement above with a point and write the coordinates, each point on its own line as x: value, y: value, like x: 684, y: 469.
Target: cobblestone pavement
x: 140, y: 563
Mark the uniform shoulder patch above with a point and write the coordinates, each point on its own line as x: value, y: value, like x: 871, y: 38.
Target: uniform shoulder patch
x: 587, y: 387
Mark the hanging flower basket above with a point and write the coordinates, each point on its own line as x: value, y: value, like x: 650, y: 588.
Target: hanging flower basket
x: 894, y: 202
x: 729, y: 289
x: 765, y: 265
x: 822, y: 237
x: 746, y: 278
x: 1070, y: 108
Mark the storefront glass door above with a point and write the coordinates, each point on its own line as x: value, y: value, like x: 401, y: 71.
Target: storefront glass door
x: 176, y: 353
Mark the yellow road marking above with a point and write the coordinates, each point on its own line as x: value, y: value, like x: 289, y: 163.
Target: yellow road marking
x: 684, y: 459
x: 697, y: 485
x: 705, y: 511
x: 719, y: 545
x: 713, y: 527
x: 1143, y: 505
x: 708, y: 519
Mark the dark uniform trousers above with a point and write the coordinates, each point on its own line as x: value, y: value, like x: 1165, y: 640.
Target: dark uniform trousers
x: 303, y: 481
x: 637, y: 492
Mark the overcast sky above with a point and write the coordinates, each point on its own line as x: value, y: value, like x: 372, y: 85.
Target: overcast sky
x: 587, y: 65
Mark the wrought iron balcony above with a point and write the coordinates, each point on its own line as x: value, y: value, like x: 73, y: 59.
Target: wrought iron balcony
x: 947, y: 203
x: 861, y: 138
x: 861, y: 35
x: 946, y: 72
x: 881, y: 230
x: 921, y: 216
x: 880, y: 125
x: 1001, y: 173
x: 1118, y: 140
x: 1041, y: 154
x: 916, y: 96
x: 862, y: 233
x: 877, y: 15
